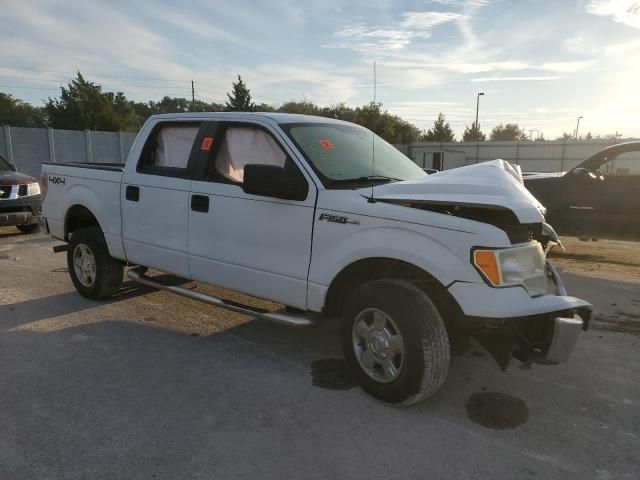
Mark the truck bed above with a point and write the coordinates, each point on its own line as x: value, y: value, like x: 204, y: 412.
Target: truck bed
x: 94, y: 187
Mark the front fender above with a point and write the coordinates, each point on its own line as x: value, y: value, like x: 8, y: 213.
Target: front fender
x: 336, y: 246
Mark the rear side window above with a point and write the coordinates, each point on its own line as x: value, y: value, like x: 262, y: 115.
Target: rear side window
x: 168, y: 149
x: 243, y: 146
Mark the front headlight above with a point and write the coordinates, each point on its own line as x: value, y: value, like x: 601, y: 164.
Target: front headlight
x: 521, y: 265
x: 33, y: 189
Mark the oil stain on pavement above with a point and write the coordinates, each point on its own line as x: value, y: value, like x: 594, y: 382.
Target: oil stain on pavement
x: 497, y: 411
x: 332, y: 374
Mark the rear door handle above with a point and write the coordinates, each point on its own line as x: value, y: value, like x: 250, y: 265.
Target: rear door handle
x: 200, y: 203
x: 132, y: 193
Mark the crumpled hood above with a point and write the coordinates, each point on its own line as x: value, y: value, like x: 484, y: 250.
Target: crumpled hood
x: 494, y: 184
x: 9, y: 177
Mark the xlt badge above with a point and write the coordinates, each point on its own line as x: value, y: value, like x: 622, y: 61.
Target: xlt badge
x: 337, y: 219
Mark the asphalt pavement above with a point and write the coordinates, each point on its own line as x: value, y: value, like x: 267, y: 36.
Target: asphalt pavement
x: 150, y: 385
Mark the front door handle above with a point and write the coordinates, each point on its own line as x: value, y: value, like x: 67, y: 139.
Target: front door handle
x: 200, y: 203
x: 132, y: 193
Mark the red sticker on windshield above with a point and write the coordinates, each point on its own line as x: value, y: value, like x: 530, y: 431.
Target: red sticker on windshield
x: 207, y: 143
x: 326, y: 144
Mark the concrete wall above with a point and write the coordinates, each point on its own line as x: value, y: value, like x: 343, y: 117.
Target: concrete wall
x: 531, y: 156
x: 29, y: 147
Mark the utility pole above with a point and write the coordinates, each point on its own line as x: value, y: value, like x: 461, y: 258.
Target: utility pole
x: 193, y: 97
x: 477, y: 129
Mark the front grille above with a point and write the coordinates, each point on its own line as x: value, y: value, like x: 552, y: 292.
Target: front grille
x: 5, y: 191
x: 22, y: 190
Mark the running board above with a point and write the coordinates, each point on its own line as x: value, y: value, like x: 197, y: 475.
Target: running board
x: 137, y: 274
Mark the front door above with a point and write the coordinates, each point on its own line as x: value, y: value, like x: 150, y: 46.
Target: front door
x: 253, y: 244
x: 155, y: 200
x: 603, y: 202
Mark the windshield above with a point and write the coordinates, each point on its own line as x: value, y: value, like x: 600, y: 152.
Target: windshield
x: 4, y: 165
x: 341, y: 155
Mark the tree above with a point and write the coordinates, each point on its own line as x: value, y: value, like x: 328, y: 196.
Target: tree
x: 240, y: 98
x: 82, y: 105
x: 565, y: 136
x: 303, y: 107
x: 473, y: 134
x: 441, y: 131
x: 17, y: 113
x: 508, y: 132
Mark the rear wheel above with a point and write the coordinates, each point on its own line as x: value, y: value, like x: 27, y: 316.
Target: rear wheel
x: 395, y: 341
x: 95, y: 274
x: 29, y: 228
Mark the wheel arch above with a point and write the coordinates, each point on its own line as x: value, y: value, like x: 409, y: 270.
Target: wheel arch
x: 79, y: 216
x: 376, y: 268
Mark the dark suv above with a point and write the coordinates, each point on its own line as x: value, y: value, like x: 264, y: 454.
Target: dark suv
x: 20, y: 200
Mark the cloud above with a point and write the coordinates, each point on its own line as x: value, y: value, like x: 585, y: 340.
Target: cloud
x: 462, y: 3
x: 621, y: 11
x: 413, y: 25
x: 516, y: 79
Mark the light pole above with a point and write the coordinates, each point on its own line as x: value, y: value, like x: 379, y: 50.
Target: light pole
x: 577, y: 127
x: 476, y: 124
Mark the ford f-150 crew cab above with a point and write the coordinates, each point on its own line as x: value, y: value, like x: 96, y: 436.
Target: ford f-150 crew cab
x: 331, y: 221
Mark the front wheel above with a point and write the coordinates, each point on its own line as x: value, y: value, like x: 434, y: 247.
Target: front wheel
x: 395, y: 342
x: 95, y: 274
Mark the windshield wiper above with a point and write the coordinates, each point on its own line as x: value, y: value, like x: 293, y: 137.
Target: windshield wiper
x: 366, y: 179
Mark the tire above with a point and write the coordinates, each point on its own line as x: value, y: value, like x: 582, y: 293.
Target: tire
x: 29, y: 228
x: 88, y: 245
x: 422, y: 365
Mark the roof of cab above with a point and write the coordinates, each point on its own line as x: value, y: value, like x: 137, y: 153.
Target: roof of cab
x: 279, y: 118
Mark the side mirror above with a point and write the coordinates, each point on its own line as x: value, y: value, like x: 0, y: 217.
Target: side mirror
x: 13, y: 167
x: 274, y: 181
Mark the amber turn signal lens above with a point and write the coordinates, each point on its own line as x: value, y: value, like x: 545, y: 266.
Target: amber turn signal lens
x: 487, y: 263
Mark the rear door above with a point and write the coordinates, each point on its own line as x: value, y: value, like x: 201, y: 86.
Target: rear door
x: 253, y: 244
x: 155, y: 199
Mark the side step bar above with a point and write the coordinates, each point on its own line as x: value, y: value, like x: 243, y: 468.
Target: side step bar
x: 137, y: 274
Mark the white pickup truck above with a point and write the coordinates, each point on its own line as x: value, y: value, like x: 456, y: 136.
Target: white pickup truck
x: 329, y: 220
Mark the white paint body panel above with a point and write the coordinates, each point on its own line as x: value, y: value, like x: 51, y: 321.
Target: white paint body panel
x: 96, y: 190
x: 252, y: 245
x: 155, y: 229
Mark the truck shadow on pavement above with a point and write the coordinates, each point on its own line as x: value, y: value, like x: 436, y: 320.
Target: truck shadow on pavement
x: 13, y: 315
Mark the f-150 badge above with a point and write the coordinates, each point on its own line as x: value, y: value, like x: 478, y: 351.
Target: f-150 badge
x: 337, y: 219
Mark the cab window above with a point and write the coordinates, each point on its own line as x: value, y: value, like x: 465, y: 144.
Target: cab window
x: 168, y: 149
x: 244, y: 145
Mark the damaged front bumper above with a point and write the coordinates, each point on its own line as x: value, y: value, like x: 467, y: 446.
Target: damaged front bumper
x: 511, y: 323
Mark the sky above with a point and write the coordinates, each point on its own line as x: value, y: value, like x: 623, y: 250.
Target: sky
x: 539, y: 63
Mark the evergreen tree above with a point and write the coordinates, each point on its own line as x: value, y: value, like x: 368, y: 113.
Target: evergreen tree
x: 473, y: 134
x: 441, y: 131
x: 83, y: 105
x: 239, y: 100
